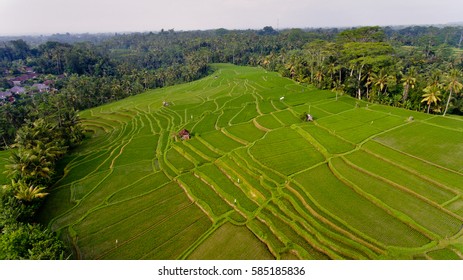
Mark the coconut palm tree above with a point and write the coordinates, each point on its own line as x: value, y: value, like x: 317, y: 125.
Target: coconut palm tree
x: 319, y: 76
x: 31, y: 165
x: 40, y: 130
x: 409, y: 82
x: 291, y: 67
x: 338, y: 88
x: 432, y: 95
x: 331, y: 71
x: 26, y: 192
x: 453, y: 85
x: 369, y: 82
x: 381, y: 80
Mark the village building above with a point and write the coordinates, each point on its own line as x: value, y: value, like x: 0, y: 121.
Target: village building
x: 5, y: 95
x: 41, y: 87
x: 17, y: 90
x: 21, y: 79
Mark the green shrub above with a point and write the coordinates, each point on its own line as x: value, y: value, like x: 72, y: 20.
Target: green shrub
x: 31, y: 242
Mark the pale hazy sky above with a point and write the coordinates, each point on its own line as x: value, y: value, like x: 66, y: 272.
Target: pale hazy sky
x: 80, y: 16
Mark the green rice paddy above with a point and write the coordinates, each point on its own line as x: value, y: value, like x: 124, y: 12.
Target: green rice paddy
x: 361, y: 181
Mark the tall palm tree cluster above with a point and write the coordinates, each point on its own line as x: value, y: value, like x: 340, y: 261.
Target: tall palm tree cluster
x: 363, y: 63
x: 38, y: 146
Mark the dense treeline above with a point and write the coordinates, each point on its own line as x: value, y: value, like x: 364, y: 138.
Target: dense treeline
x: 38, y: 146
x: 386, y: 65
x: 417, y: 68
x: 41, y: 127
x: 87, y: 75
x: 414, y: 72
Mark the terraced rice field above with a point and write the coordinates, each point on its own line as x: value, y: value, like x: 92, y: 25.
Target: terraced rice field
x: 255, y: 181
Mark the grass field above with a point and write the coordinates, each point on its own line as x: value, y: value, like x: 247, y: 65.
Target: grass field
x: 257, y: 182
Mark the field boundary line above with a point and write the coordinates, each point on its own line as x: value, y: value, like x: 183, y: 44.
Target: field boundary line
x: 102, y: 206
x: 355, y: 234
x: 225, y: 169
x: 242, y: 165
x: 245, y: 165
x: 334, y: 134
x: 259, y: 126
x: 259, y: 234
x: 394, y: 213
x: 108, y: 199
x: 197, y: 201
x: 418, y: 158
x: 344, y: 246
x: 54, y: 220
x: 450, y: 201
x: 205, y: 179
x: 209, y: 146
x: 314, y: 240
x: 234, y: 137
x: 440, y: 126
x: 173, y: 236
x: 185, y: 154
x: 75, y: 162
x: 120, y: 153
x: 171, y: 165
x: 402, y: 188
x: 309, y: 138
x: 198, y: 152
x: 148, y: 229
x: 277, y: 119
x: 264, y: 167
x: 412, y: 171
x: 216, y: 225
x: 283, y: 238
x: 236, y: 115
x: 321, y: 234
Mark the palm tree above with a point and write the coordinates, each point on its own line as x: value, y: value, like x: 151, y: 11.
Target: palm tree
x: 435, y: 77
x: 409, y: 81
x: 319, y: 77
x: 369, y: 82
x: 39, y: 131
x: 338, y: 88
x: 432, y: 95
x: 381, y: 80
x: 31, y: 165
x: 27, y: 192
x: 331, y: 70
x: 453, y: 85
x: 291, y: 67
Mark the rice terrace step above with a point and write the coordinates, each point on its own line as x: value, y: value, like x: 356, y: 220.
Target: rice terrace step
x: 254, y: 180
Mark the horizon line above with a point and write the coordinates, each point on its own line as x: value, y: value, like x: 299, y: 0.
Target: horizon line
x: 39, y: 34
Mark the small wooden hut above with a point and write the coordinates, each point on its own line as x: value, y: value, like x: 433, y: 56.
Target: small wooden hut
x: 184, y: 134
